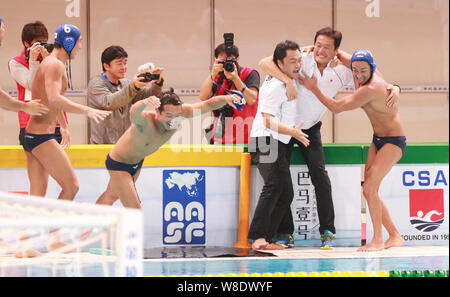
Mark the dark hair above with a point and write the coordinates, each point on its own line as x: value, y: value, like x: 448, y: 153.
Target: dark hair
x: 33, y: 30
x: 221, y: 49
x: 169, y: 97
x: 334, y: 34
x: 280, y: 50
x: 111, y: 53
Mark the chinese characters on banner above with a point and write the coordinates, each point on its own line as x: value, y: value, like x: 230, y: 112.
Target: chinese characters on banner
x: 304, y: 207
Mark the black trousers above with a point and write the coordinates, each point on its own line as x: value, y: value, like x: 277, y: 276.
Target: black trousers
x: 273, y: 211
x: 315, y: 160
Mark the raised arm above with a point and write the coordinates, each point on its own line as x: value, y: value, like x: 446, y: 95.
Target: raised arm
x: 148, y: 89
x: 99, y: 96
x: 268, y: 66
x: 22, y: 75
x: 344, y: 57
x: 137, y: 111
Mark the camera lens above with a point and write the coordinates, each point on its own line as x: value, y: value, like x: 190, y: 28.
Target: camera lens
x: 228, y: 66
x: 49, y: 47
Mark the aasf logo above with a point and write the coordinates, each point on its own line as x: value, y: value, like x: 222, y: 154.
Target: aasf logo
x: 184, y: 207
x: 426, y: 206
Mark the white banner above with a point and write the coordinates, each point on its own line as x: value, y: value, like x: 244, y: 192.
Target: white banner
x: 417, y: 200
x: 346, y: 193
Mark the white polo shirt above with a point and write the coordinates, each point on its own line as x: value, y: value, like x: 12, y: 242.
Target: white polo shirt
x: 309, y: 108
x: 273, y: 100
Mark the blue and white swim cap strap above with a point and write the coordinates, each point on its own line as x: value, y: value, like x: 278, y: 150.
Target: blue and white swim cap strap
x: 67, y: 35
x: 365, y: 56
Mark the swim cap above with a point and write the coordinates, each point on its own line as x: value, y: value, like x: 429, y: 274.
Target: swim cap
x: 363, y: 55
x: 0, y: 21
x: 67, y: 36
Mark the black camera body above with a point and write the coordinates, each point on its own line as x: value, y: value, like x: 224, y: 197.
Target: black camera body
x: 148, y: 76
x: 230, y: 62
x: 48, y: 46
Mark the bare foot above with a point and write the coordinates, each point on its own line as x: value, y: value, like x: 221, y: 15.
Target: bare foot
x: 60, y: 246
x: 274, y: 247
x: 27, y: 253
x: 259, y: 244
x: 372, y: 247
x: 393, y: 241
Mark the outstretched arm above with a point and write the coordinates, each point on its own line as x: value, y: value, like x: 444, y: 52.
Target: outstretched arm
x: 359, y: 98
x: 32, y: 107
x: 215, y: 102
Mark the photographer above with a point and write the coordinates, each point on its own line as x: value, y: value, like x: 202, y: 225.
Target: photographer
x: 111, y: 91
x: 231, y: 126
x: 23, y: 68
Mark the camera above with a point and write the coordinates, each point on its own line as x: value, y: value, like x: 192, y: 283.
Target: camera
x: 148, y: 76
x: 229, y: 63
x: 48, y: 46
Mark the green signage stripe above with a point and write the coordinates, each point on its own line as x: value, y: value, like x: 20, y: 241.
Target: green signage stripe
x: 421, y: 153
x: 334, y: 154
x: 356, y: 153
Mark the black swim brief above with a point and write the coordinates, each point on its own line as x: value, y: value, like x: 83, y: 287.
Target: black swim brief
x: 22, y: 132
x: 118, y: 166
x: 399, y: 141
x: 30, y: 141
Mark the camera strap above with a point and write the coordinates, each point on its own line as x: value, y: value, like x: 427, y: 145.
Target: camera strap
x: 107, y: 79
x: 227, y: 91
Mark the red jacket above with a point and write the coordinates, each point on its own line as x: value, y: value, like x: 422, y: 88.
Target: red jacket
x: 23, y: 116
x: 238, y: 129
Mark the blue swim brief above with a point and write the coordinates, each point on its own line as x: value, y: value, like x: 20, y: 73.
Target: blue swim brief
x: 30, y: 141
x: 399, y: 141
x: 119, y: 166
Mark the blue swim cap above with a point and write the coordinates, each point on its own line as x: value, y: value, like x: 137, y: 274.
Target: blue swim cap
x: 363, y: 55
x: 0, y: 21
x: 67, y: 35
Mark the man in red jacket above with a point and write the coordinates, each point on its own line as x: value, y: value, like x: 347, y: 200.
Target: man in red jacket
x: 10, y: 103
x: 231, y: 126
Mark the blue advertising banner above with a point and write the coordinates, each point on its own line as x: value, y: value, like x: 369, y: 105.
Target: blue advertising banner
x: 184, y: 207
